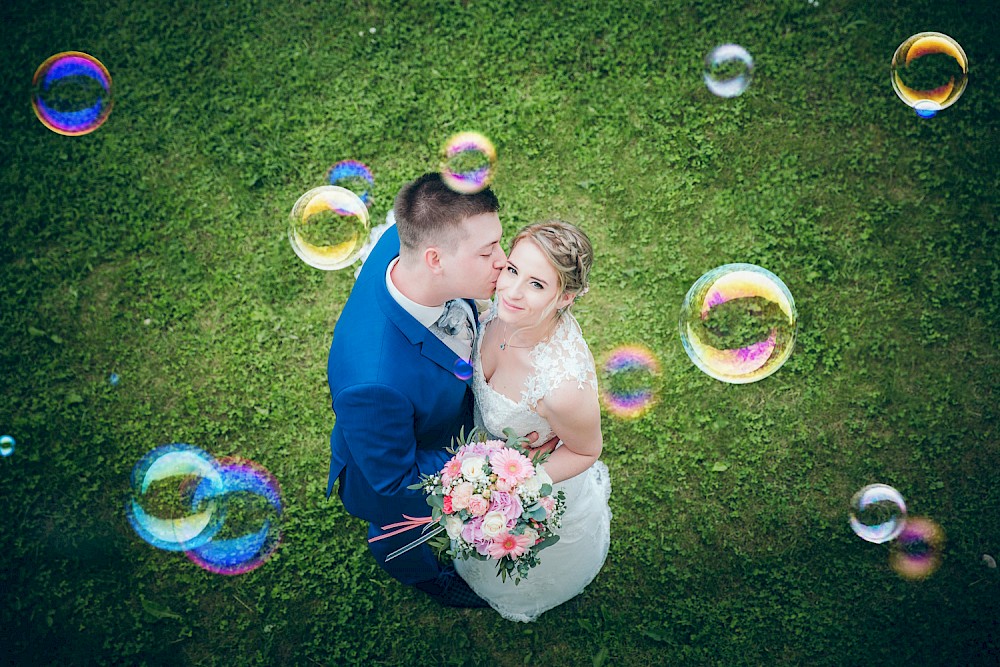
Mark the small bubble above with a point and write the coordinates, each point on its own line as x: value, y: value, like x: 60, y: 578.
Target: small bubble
x: 989, y: 561
x: 463, y: 369
x: 6, y: 445
x: 147, y: 321
x: 371, y: 30
x: 114, y: 379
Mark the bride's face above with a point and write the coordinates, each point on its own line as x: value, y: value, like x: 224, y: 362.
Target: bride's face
x: 528, y: 292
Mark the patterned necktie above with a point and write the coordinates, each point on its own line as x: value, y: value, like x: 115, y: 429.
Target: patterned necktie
x: 455, y: 329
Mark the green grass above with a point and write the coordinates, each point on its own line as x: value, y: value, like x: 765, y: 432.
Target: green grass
x: 883, y: 226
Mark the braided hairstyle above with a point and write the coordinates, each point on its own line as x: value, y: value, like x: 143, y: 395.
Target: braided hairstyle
x: 568, y: 250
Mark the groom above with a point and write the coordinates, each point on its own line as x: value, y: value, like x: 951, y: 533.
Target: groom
x: 399, y: 367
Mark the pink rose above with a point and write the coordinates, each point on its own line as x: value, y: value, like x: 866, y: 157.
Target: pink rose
x: 503, y: 485
x: 548, y: 504
x: 461, y: 495
x: 507, y: 504
x: 478, y: 505
x: 448, y: 509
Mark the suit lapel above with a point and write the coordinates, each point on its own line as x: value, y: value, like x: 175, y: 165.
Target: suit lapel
x: 431, y: 347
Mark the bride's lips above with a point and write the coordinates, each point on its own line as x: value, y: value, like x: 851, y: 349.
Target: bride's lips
x: 508, y: 306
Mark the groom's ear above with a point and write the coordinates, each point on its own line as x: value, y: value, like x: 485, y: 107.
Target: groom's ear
x: 432, y: 258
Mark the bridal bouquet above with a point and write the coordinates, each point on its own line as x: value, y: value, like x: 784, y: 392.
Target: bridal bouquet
x: 494, y: 501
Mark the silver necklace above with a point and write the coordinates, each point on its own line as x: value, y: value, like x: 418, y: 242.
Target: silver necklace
x: 504, y: 345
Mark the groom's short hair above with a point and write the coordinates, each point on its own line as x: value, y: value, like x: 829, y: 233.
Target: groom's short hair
x: 428, y: 212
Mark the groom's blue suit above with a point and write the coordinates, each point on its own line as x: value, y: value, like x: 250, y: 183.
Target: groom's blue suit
x: 398, y: 404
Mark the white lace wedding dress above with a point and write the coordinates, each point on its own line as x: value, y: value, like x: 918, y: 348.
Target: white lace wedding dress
x: 585, y: 535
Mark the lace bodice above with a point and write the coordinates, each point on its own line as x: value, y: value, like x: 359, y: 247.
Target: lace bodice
x: 564, y: 358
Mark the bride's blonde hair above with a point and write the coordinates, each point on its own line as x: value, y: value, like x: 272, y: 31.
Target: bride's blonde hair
x: 568, y: 250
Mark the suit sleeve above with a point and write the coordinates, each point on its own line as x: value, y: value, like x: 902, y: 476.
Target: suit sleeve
x: 377, y: 423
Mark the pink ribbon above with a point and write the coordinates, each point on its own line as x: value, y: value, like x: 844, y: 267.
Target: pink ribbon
x: 410, y: 524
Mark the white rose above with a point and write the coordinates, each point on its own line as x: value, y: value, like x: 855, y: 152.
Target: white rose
x: 532, y: 535
x: 532, y: 485
x: 453, y: 526
x: 494, y: 523
x: 472, y: 467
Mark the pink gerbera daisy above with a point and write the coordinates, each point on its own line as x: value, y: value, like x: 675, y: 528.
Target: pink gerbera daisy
x: 511, y: 466
x: 452, y: 469
x: 508, y: 544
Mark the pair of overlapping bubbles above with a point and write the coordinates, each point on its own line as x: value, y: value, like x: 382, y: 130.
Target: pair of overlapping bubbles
x: 879, y: 515
x: 224, y: 514
x: 738, y: 323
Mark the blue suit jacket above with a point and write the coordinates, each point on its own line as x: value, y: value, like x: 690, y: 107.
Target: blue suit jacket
x: 397, y: 400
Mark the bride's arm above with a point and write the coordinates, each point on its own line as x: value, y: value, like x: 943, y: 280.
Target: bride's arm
x: 575, y: 416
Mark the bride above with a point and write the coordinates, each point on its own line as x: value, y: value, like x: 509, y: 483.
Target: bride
x: 534, y: 372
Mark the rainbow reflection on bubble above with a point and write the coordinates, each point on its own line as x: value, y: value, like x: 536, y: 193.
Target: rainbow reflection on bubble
x: 354, y: 176
x: 7, y: 444
x: 728, y: 69
x: 929, y: 72
x: 71, y: 93
x: 252, y: 530
x: 628, y: 375
x: 916, y: 553
x: 160, y: 509
x: 328, y: 227
x: 878, y: 513
x: 468, y: 162
x: 737, y: 323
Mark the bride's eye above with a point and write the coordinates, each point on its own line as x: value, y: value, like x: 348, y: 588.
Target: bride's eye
x: 537, y: 285
x: 511, y: 270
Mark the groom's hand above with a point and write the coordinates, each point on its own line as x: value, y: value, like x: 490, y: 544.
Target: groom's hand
x: 547, y: 447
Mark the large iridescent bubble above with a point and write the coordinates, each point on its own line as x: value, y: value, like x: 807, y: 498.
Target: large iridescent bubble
x: 328, y: 227
x: 929, y: 72
x: 163, y: 509
x: 468, y: 162
x: 916, y: 553
x: 728, y: 70
x: 738, y: 322
x: 252, y: 530
x: 354, y: 176
x: 628, y: 381
x: 878, y: 513
x: 71, y: 93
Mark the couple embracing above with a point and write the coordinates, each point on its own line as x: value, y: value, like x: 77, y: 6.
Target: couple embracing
x: 408, y: 328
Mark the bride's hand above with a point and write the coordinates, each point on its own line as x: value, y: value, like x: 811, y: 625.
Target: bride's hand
x: 546, y: 447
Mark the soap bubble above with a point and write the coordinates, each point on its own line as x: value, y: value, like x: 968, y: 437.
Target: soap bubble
x: 929, y: 72
x: 462, y: 369
x: 916, y: 553
x: 7, y: 445
x: 161, y: 509
x: 251, y: 533
x: 878, y: 513
x: 328, y: 227
x: 627, y: 386
x: 71, y: 93
x: 468, y: 162
x: 737, y: 323
x: 114, y: 379
x: 728, y: 69
x: 354, y: 176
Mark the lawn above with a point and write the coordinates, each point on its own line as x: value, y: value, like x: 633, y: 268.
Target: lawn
x: 156, y: 248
